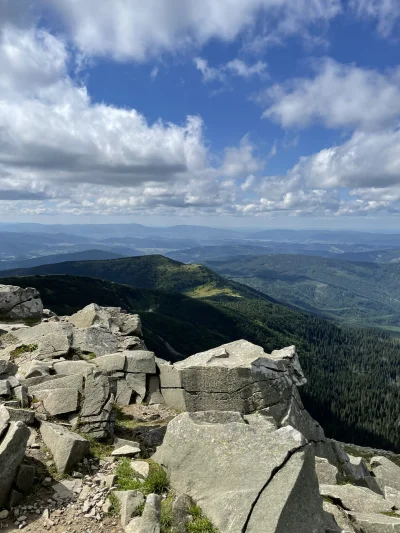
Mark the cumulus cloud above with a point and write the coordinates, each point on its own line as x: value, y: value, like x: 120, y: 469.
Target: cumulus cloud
x: 62, y: 153
x: 336, y: 96
x: 241, y: 161
x: 365, y: 160
x: 137, y: 30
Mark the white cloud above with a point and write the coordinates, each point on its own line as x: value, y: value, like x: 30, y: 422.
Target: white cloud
x: 137, y: 30
x: 208, y: 73
x: 337, y: 96
x: 62, y: 153
x: 386, y: 12
x: 240, y: 68
x: 154, y: 73
x: 365, y: 160
x: 236, y: 67
x: 240, y: 161
x: 30, y: 60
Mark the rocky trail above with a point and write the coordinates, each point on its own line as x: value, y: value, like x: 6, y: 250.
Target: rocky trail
x: 98, y: 434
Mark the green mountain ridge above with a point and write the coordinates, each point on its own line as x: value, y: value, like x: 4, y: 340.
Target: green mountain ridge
x: 347, y: 369
x: 358, y: 293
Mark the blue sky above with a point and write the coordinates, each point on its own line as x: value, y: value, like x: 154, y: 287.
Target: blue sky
x: 264, y: 113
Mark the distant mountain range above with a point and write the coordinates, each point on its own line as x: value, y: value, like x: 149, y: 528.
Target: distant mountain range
x: 86, y: 255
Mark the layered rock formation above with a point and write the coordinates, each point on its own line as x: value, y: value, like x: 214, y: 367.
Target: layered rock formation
x: 239, y: 443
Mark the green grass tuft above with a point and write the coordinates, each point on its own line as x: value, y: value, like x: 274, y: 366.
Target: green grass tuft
x: 157, y: 481
x: 167, y: 514
x: 199, y: 523
x: 24, y: 348
x: 115, y: 509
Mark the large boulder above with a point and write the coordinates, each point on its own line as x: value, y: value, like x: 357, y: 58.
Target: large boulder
x: 67, y: 448
x: 111, y: 318
x: 96, y: 415
x: 244, y: 474
x: 386, y: 472
x: 12, y: 451
x: 240, y: 376
x: 94, y: 341
x: 18, y: 303
x: 52, y: 339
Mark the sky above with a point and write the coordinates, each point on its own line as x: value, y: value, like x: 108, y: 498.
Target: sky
x: 261, y: 113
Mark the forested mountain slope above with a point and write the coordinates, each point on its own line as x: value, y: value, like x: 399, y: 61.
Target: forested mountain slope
x: 353, y: 374
x: 358, y: 293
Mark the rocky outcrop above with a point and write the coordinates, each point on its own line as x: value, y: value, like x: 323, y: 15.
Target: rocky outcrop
x: 78, y: 367
x: 244, y: 449
x: 111, y: 318
x: 17, y: 303
x: 241, y: 377
x: 250, y: 467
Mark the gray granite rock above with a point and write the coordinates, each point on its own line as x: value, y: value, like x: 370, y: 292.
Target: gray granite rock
x: 66, y: 447
x: 12, y: 451
x: 207, y: 456
x: 18, y: 303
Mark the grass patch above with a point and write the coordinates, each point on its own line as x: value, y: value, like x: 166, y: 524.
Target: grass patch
x: 167, y: 514
x: 157, y: 481
x: 394, y: 514
x: 115, y: 509
x: 88, y: 356
x: 98, y: 450
x: 199, y: 523
x: 24, y: 348
x: 123, y: 420
x: 356, y: 452
x: 209, y: 290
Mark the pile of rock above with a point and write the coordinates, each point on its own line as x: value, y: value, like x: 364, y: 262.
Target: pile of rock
x: 66, y: 374
x: 243, y: 447
x: 77, y: 367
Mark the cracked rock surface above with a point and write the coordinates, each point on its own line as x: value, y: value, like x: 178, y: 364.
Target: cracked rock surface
x: 236, y: 467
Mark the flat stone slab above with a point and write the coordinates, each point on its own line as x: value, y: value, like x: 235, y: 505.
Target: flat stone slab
x: 238, y: 376
x: 376, y: 523
x: 68, y: 368
x: 59, y: 401
x: 358, y: 499
x: 141, y: 361
x: 27, y: 416
x: 141, y: 467
x: 126, y: 451
x: 66, y: 382
x: 129, y: 501
x: 110, y: 363
x: 68, y: 488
